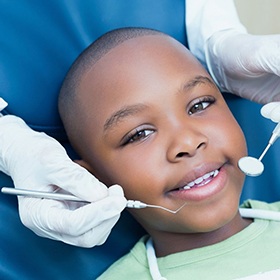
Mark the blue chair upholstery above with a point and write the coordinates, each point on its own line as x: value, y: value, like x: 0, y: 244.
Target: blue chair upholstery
x: 39, y: 42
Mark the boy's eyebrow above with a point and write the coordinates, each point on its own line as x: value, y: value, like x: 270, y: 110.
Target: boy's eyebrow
x: 198, y: 80
x: 122, y: 113
x: 134, y: 109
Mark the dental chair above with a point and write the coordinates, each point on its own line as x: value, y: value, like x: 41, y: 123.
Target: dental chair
x: 39, y: 42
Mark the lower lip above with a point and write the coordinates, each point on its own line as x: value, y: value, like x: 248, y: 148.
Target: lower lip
x: 212, y: 188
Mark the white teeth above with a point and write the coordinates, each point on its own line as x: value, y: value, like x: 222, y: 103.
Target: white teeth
x: 198, y: 180
x: 201, y: 179
x: 191, y: 184
x: 206, y: 176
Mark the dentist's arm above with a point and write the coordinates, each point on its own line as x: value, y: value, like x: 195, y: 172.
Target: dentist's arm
x: 35, y: 161
x: 244, y: 64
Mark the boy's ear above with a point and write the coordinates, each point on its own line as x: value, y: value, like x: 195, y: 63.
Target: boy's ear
x: 84, y: 164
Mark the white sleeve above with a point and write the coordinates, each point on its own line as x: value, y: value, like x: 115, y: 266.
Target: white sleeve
x: 204, y: 18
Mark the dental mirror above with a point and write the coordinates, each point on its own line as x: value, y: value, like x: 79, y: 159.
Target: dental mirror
x: 252, y: 166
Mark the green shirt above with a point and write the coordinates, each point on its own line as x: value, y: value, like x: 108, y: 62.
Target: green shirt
x: 254, y: 250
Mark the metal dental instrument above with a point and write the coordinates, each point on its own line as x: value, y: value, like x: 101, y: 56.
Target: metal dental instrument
x: 138, y: 205
x: 60, y: 196
x: 252, y: 166
x: 38, y: 194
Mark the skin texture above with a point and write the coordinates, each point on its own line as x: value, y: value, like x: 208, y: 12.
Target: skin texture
x: 153, y: 122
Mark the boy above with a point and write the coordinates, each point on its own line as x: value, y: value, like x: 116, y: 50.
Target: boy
x: 143, y: 113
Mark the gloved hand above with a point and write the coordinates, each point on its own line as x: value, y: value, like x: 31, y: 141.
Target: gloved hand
x: 247, y: 65
x: 271, y: 111
x: 244, y: 64
x: 35, y: 161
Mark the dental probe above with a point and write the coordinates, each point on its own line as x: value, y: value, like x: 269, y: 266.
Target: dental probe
x: 136, y: 204
x: 252, y: 166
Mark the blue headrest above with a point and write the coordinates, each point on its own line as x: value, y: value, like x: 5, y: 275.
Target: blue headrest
x: 41, y: 39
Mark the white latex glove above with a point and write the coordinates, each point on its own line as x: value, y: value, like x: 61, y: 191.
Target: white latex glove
x: 36, y: 161
x: 248, y: 65
x: 243, y: 64
x: 204, y: 18
x: 271, y: 111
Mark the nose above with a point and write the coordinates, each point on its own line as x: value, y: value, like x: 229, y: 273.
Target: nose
x: 186, y: 142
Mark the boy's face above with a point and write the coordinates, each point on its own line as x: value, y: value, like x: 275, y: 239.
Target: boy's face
x: 158, y: 126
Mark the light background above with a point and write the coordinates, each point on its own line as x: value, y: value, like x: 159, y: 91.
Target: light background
x: 260, y: 16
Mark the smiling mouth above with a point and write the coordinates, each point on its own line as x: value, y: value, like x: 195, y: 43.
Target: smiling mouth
x: 201, y: 181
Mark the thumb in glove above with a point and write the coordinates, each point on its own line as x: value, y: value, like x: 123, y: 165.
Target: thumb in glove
x: 271, y: 111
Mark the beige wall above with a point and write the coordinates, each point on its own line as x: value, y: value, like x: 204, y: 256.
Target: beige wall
x: 260, y: 16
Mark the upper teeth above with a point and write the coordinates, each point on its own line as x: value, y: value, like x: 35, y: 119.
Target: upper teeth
x: 201, y: 179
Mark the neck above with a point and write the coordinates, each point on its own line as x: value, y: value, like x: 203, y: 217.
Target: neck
x: 170, y: 243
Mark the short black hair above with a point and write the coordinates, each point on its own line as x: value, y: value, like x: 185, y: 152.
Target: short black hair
x: 68, y: 102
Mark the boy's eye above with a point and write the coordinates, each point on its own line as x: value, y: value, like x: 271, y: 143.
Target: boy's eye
x: 137, y: 135
x: 201, y: 105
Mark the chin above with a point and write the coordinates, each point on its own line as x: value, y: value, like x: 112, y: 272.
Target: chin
x: 224, y: 220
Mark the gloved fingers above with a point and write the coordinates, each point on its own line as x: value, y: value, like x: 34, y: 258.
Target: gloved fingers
x: 55, y: 170
x: 268, y: 53
x: 85, y: 226
x: 271, y: 111
x: 88, y: 239
x: 76, y: 180
x: 256, y: 55
x: 254, y: 69
x: 44, y: 161
x: 116, y: 190
x: 93, y: 237
x: 85, y: 218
